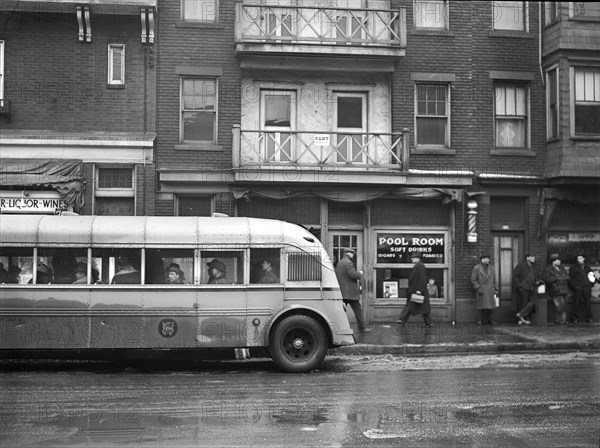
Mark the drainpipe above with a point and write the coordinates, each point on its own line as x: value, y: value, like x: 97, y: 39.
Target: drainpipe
x: 540, y: 44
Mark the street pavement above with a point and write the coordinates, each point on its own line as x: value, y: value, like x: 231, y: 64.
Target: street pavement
x: 445, y: 338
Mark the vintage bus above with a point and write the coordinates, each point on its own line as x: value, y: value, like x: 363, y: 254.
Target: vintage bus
x: 89, y: 283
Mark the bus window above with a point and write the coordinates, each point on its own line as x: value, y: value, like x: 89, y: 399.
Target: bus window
x: 304, y: 267
x: 61, y: 264
x: 265, y: 264
x: 18, y: 263
x: 172, y: 266
x: 118, y: 266
x: 222, y: 267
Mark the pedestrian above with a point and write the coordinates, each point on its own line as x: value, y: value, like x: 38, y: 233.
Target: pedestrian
x: 525, y: 280
x: 483, y: 280
x: 417, y: 284
x: 348, y: 277
x: 217, y: 272
x: 175, y: 275
x: 582, y: 279
x: 557, y: 280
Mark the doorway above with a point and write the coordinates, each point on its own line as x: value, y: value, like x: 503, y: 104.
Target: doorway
x: 508, y: 250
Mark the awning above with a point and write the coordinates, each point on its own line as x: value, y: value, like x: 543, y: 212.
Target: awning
x: 551, y: 196
x: 353, y: 195
x: 64, y: 176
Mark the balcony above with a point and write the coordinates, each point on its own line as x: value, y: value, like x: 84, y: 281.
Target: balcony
x: 322, y: 157
x: 309, y: 32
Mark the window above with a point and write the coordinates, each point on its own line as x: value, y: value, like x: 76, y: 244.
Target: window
x: 198, y: 110
x: 552, y: 103
x: 278, y: 116
x: 432, y: 113
x: 550, y: 12
x: 265, y: 265
x: 116, y: 64
x: 587, y: 101
x: 585, y: 10
x: 199, y: 10
x: 170, y: 266
x: 222, y: 267
x: 511, y: 116
x: 431, y: 14
x: 510, y: 15
x: 117, y: 266
x: 1, y: 73
x: 115, y: 191
x: 194, y: 206
x: 18, y: 264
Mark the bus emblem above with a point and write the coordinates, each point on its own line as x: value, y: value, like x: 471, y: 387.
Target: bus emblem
x: 167, y: 328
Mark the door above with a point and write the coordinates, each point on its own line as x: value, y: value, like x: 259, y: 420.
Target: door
x: 278, y: 116
x: 508, y: 250
x: 344, y: 239
x: 350, y: 122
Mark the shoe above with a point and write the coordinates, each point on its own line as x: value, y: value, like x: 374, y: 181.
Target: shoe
x: 520, y: 322
x: 365, y: 330
x: 521, y: 318
x: 428, y: 325
x: 527, y: 322
x: 479, y: 322
x: 401, y: 322
x: 492, y: 322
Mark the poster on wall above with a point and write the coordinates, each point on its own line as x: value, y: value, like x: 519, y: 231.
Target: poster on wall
x: 390, y: 290
x: 394, y: 247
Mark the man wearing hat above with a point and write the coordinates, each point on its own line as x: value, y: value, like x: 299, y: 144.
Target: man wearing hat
x: 484, y: 282
x: 417, y: 284
x: 44, y: 274
x: 348, y: 276
x: 175, y: 275
x: 80, y: 274
x: 217, y: 272
x: 582, y: 282
x: 557, y: 281
x: 126, y: 274
x: 525, y: 280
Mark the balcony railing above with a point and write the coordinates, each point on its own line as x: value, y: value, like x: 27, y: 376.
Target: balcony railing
x: 320, y: 25
x: 316, y: 149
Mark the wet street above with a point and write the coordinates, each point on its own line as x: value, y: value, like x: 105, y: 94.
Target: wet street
x: 524, y: 400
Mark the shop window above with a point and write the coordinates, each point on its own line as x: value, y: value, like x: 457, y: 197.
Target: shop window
x: 118, y: 266
x: 432, y: 115
x: 552, y: 103
x: 222, y: 267
x: 194, y: 206
x: 199, y: 10
x: 587, y: 101
x: 198, y: 110
x: 265, y: 264
x: 115, y: 191
x: 585, y: 10
x: 512, y: 116
x: 116, y: 64
x: 510, y: 16
x: 431, y: 14
x: 169, y: 266
x: 17, y: 265
x: 392, y: 283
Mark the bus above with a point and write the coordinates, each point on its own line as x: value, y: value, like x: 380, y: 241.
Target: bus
x: 85, y: 284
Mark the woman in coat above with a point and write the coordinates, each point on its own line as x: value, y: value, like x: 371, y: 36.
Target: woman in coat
x: 484, y: 283
x: 417, y: 284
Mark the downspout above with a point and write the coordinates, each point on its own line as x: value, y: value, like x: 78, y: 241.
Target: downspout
x: 540, y: 44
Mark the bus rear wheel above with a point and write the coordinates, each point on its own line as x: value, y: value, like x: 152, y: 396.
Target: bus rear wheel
x: 298, y: 344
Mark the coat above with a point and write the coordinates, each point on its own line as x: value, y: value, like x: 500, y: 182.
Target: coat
x: 417, y: 281
x: 347, y: 276
x: 578, y: 276
x: 483, y: 280
x: 557, y: 279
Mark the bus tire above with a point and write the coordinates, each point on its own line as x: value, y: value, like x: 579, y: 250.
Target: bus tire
x: 298, y: 344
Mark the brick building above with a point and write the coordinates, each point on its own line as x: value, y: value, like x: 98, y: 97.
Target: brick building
x: 77, y: 122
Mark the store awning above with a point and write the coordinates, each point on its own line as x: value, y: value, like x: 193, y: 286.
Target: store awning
x: 353, y: 195
x: 64, y: 176
x: 551, y: 196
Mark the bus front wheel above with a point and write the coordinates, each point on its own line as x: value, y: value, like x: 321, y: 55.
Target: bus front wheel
x: 298, y: 344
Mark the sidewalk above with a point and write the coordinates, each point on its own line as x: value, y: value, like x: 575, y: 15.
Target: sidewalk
x: 445, y: 338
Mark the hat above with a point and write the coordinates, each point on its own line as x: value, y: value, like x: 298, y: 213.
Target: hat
x: 216, y: 264
x: 81, y: 267
x: 43, y: 268
x: 350, y: 251
x: 123, y: 261
x: 554, y: 257
x: 174, y: 267
x: 530, y: 254
x: 481, y: 257
x: 416, y: 255
x: 580, y: 254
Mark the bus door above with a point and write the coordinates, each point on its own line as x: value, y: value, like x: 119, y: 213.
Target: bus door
x: 221, y: 299
x: 265, y: 291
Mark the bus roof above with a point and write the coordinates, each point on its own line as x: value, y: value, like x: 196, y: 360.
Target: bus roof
x: 86, y: 230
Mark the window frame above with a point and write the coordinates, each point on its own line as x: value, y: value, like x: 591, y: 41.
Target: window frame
x: 178, y: 199
x: 200, y: 20
x: 214, y: 112
x: 525, y: 16
x: 551, y: 13
x: 111, y: 69
x: 527, y: 118
x: 114, y: 192
x: 443, y: 11
x: 552, y: 108
x: 1, y: 73
x: 574, y: 101
x: 447, y: 133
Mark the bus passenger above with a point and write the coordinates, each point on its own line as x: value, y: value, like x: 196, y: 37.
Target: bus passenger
x: 267, y: 274
x: 80, y: 274
x: 175, y: 275
x: 127, y: 274
x: 3, y: 273
x: 44, y: 274
x: 13, y: 274
x: 216, y: 272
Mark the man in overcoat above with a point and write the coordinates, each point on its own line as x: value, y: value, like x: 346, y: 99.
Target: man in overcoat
x: 417, y: 284
x: 348, y: 277
x: 557, y: 279
x: 484, y: 282
x: 581, y: 281
x: 525, y: 280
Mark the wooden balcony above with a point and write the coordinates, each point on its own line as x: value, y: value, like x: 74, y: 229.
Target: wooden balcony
x: 319, y: 156
x: 311, y: 32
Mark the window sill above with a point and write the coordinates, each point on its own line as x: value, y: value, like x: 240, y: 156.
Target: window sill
x: 508, y: 33
x: 198, y: 147
x: 115, y: 86
x: 593, y: 138
x: 431, y: 32
x: 201, y: 25
x: 434, y: 151
x: 584, y: 19
x: 512, y: 152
